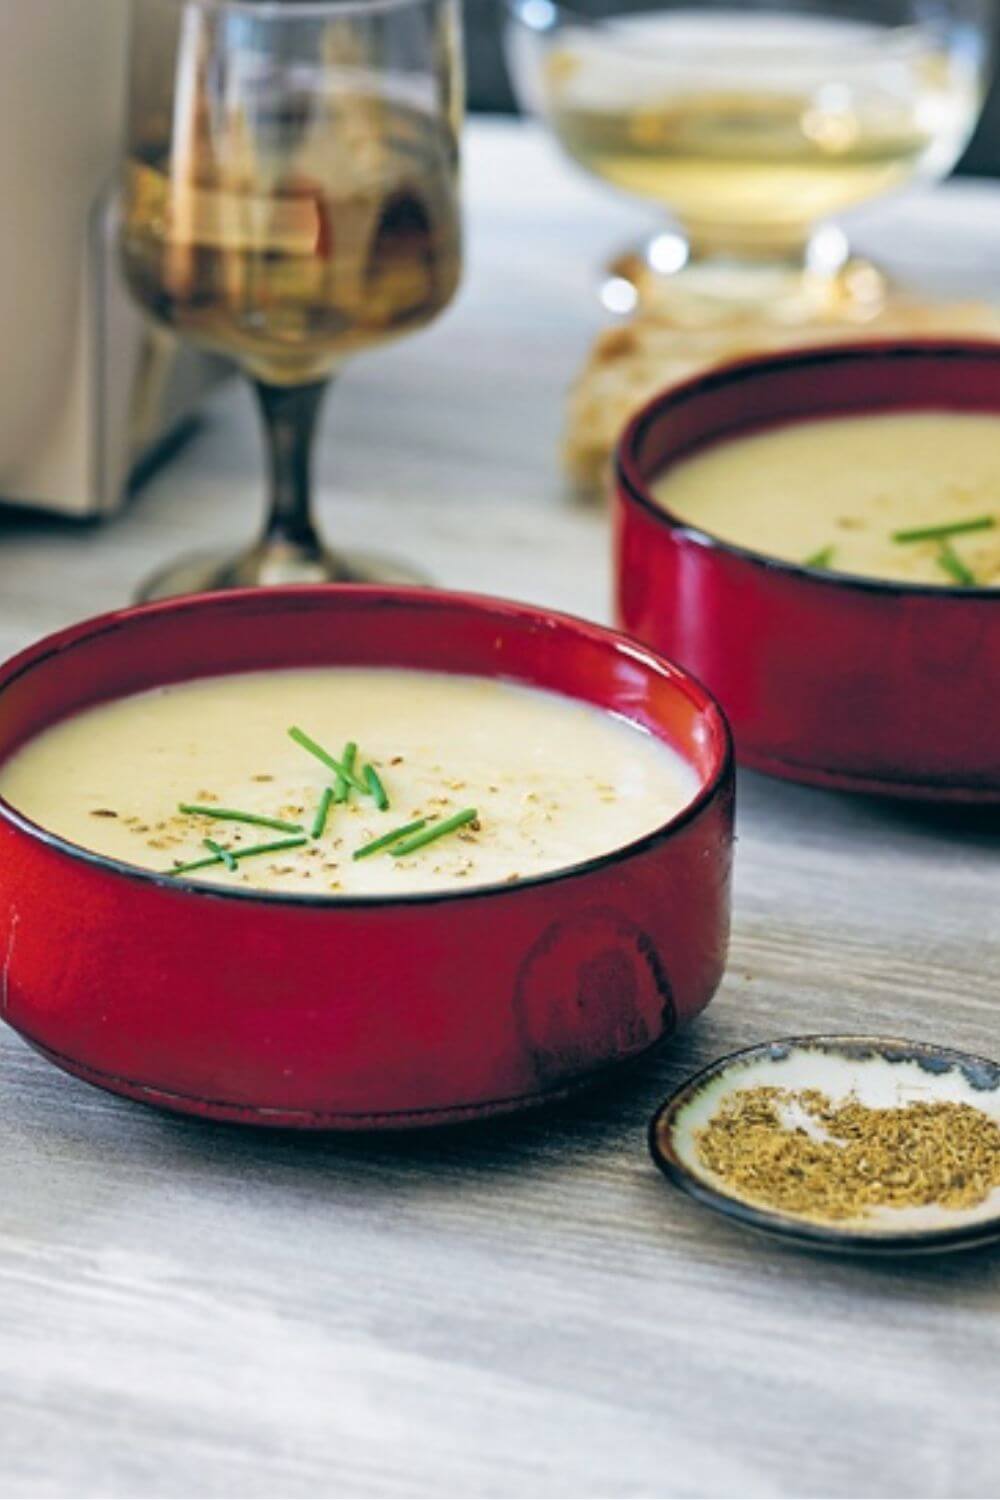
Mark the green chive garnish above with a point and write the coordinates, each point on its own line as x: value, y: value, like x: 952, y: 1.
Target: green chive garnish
x: 196, y: 864
x: 341, y: 790
x: 821, y: 559
x: 322, y: 813
x: 390, y: 838
x: 376, y: 788
x: 435, y: 832
x: 301, y: 738
x: 949, y: 560
x: 939, y: 533
x: 232, y: 815
x: 220, y: 853
x: 238, y: 854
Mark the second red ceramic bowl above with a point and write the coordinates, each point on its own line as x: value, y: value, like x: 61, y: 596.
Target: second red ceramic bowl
x: 360, y: 1012
x: 839, y: 681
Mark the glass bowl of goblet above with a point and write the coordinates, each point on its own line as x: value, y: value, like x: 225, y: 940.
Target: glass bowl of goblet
x: 753, y: 129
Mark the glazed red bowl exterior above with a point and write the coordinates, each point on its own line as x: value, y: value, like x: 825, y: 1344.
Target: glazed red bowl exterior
x: 835, y: 680
x: 360, y: 1012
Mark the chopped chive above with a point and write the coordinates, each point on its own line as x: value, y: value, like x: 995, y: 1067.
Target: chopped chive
x: 376, y: 788
x: 301, y: 738
x: 949, y: 560
x: 238, y: 854
x: 232, y: 815
x: 435, y: 832
x: 341, y: 790
x: 224, y: 854
x: 322, y: 813
x: 195, y: 864
x: 390, y: 838
x: 821, y: 559
x: 940, y: 533
x: 274, y: 848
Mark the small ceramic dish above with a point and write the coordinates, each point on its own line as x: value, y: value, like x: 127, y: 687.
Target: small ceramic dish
x: 877, y: 1071
x: 840, y: 681
x: 357, y: 1012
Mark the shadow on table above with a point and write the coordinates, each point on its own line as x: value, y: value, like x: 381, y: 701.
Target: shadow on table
x: 610, y: 1113
x: 605, y: 1126
x: 764, y: 798
x: 558, y: 1162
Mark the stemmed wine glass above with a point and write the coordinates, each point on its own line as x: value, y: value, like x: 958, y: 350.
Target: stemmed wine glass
x: 289, y: 197
x: 753, y: 125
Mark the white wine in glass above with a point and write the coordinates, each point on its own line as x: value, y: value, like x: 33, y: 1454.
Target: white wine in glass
x: 289, y: 197
x: 753, y: 127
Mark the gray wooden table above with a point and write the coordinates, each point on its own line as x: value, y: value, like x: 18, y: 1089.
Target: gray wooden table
x: 521, y: 1309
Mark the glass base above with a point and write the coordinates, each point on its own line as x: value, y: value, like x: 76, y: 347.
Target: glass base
x: 270, y: 567
x: 664, y: 277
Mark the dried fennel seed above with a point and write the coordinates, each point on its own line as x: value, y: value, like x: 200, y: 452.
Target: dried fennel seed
x: 846, y: 1159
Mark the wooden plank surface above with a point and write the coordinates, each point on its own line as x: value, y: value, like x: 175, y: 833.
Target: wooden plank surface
x: 521, y: 1309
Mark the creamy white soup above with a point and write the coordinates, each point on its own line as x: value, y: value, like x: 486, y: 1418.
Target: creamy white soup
x: 457, y: 781
x: 911, y: 497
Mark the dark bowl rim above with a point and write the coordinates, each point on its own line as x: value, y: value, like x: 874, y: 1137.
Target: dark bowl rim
x: 816, y: 1236
x: 313, y: 596
x: 632, y: 484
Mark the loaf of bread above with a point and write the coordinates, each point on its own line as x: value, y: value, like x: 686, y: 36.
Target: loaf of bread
x: 631, y: 362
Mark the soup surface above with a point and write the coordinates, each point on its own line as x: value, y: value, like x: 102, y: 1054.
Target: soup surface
x: 551, y: 781
x: 846, y: 493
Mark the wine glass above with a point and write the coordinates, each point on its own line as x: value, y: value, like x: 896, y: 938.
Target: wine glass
x: 752, y: 127
x: 289, y: 197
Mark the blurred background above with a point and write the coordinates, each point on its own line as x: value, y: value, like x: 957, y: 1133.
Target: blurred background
x: 96, y: 393
x: 489, y: 85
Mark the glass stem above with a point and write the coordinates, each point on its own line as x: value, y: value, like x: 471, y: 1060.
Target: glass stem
x: 289, y: 415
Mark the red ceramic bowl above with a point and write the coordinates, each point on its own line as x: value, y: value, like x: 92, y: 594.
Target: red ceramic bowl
x: 360, y: 1012
x: 840, y: 681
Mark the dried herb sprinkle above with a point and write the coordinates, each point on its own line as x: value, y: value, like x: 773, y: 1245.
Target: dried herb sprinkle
x: 800, y: 1153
